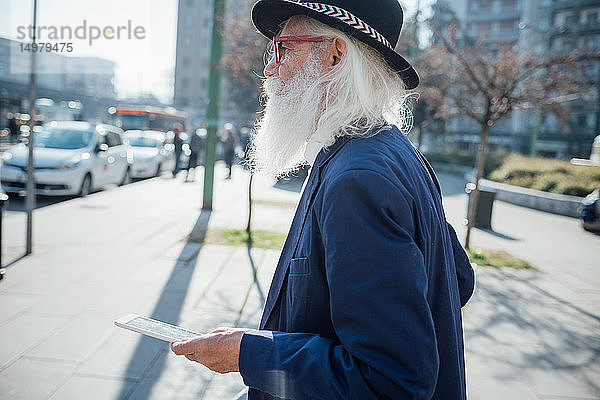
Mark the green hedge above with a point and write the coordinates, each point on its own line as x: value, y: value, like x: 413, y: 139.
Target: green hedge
x: 547, y: 175
x: 467, y: 159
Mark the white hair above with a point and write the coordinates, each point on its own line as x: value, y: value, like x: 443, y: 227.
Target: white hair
x: 357, y: 97
x: 362, y: 92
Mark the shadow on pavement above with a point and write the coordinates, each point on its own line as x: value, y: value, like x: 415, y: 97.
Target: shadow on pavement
x: 254, y: 283
x: 169, y: 305
x: 255, y: 278
x: 518, y: 329
x: 17, y: 203
x: 498, y: 234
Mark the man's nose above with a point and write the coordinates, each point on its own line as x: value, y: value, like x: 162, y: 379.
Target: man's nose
x: 271, y: 69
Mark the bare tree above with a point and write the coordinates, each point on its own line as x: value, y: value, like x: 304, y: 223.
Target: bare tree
x: 487, y: 84
x: 243, y: 64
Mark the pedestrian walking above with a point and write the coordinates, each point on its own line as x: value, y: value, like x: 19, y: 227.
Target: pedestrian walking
x: 365, y: 302
x: 196, y: 148
x: 178, y: 143
x: 244, y: 142
x: 13, y: 127
x: 229, y: 140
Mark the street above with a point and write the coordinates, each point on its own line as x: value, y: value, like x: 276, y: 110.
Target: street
x: 141, y: 248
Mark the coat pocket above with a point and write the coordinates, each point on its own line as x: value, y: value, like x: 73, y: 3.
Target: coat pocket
x: 299, y: 266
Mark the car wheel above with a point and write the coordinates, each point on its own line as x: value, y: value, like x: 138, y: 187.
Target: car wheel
x: 126, y: 179
x: 86, y: 186
x: 158, y: 169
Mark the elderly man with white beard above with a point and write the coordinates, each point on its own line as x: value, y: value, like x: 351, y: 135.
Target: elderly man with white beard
x: 365, y: 302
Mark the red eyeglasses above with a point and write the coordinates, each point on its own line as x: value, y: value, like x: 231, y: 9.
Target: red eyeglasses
x: 278, y: 40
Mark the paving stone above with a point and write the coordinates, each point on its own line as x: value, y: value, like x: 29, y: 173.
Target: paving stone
x: 76, y: 339
x: 32, y: 379
x: 93, y: 388
x: 499, y: 389
x: 24, y: 332
x: 68, y: 302
x: 14, y: 304
x: 125, y: 355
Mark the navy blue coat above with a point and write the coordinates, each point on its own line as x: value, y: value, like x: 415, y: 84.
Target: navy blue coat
x: 365, y: 302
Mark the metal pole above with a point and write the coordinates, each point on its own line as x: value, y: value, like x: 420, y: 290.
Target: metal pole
x: 30, y: 186
x: 212, y: 110
x: 3, y: 199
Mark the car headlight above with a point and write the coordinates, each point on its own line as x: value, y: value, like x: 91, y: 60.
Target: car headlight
x: 6, y: 157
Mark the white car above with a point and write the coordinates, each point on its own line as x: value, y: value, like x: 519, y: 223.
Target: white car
x: 151, y: 153
x: 70, y: 158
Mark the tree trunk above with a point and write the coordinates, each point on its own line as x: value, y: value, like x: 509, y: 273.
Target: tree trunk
x: 481, y: 155
x: 248, y: 225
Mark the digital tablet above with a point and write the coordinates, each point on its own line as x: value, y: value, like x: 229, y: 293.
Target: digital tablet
x: 156, y: 329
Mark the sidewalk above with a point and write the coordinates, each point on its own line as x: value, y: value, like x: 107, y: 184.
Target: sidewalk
x: 126, y: 250
x: 130, y: 250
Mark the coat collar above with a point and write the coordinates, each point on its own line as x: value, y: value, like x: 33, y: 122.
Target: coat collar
x: 327, y: 153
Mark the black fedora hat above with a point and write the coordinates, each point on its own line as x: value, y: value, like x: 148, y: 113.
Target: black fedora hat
x: 376, y: 23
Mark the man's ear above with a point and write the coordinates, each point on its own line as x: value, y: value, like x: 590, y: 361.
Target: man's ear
x: 336, y: 51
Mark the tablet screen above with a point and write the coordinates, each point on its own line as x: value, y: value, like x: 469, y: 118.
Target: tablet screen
x: 161, y: 328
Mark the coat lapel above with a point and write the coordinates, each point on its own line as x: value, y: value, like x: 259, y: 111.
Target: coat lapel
x: 291, y: 242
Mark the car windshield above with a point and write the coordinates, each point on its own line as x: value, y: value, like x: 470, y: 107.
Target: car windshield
x: 141, y: 141
x: 58, y: 138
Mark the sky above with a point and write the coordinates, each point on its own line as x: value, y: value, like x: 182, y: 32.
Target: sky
x: 143, y: 65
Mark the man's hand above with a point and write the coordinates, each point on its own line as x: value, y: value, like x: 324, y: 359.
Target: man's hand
x: 218, y: 350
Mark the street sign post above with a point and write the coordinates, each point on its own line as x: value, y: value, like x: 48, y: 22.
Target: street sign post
x: 212, y: 111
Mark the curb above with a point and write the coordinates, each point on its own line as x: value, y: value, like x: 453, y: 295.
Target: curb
x: 543, y: 201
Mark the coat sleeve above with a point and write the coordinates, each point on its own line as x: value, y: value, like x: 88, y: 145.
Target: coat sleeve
x: 378, y: 303
x: 464, y: 270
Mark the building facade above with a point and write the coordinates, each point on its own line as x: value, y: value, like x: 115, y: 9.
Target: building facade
x: 86, y: 80
x: 537, y: 27
x: 192, y: 64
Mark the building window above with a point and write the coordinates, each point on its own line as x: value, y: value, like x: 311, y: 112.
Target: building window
x: 561, y: 18
x: 507, y: 27
x: 483, y: 28
x: 591, y: 120
x: 496, y: 6
x: 591, y: 17
x: 571, y: 20
x: 508, y: 5
x: 592, y: 42
x: 495, y: 28
x: 189, y: 3
x: 186, y: 62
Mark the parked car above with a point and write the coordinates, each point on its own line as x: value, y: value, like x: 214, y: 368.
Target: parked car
x: 589, y: 215
x: 151, y: 153
x: 70, y: 158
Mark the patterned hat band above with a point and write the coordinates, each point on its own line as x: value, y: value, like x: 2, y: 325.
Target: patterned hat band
x: 347, y: 18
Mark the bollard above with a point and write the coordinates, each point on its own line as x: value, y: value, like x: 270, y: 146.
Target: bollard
x: 3, y: 199
x: 483, y: 213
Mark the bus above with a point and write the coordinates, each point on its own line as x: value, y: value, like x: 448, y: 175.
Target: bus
x: 147, y: 118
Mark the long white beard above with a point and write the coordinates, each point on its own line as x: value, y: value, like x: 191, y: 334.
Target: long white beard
x: 290, y: 118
